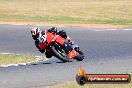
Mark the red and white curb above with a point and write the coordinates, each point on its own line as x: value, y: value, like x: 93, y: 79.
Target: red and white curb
x: 38, y: 59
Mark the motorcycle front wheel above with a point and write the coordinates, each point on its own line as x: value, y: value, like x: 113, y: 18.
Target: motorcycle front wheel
x: 80, y: 57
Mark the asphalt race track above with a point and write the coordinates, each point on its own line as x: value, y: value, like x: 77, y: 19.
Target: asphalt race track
x: 106, y: 51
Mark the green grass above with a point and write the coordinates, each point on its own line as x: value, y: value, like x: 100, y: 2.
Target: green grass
x: 14, y: 59
x: 67, y: 11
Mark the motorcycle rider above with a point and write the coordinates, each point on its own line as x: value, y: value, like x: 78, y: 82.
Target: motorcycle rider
x: 37, y: 36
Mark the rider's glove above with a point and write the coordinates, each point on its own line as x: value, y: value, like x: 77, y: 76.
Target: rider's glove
x: 71, y: 42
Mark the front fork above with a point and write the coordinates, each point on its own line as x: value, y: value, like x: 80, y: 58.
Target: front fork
x: 73, y: 51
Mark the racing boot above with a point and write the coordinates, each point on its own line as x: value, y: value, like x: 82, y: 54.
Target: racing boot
x: 48, y: 54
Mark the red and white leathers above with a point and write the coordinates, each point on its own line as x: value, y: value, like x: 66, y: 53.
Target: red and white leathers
x: 44, y: 36
x: 42, y: 39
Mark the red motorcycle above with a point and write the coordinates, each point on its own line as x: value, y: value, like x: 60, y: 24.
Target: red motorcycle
x: 53, y: 45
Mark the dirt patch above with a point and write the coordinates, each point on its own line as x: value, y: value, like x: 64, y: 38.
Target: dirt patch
x: 68, y: 24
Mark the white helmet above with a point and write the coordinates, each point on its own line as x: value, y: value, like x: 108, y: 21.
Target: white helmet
x: 35, y: 31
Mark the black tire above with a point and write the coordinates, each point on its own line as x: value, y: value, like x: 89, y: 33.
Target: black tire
x: 80, y: 57
x: 81, y: 80
x: 58, y: 55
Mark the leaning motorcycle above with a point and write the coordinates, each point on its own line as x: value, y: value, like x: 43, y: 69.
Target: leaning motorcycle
x: 53, y: 46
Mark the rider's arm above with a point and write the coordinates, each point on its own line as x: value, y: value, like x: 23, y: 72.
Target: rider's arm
x: 37, y: 45
x: 70, y: 40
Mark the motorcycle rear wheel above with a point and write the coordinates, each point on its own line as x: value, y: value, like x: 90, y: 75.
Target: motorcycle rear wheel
x: 56, y: 53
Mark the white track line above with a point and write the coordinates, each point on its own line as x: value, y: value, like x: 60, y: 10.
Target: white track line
x: 5, y: 53
x: 38, y: 56
x: 127, y: 29
x: 112, y: 29
x: 22, y: 63
x: 98, y: 30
